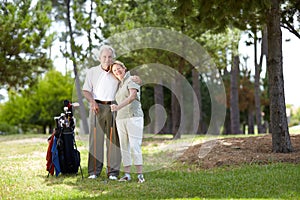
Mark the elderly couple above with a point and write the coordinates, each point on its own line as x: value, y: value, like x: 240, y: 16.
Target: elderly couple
x: 103, y: 85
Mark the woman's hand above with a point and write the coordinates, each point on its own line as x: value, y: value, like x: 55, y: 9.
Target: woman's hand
x: 113, y: 107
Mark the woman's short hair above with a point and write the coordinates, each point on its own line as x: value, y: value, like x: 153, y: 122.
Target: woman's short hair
x: 118, y: 63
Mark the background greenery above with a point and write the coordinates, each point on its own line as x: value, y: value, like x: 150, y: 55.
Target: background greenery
x: 30, y: 29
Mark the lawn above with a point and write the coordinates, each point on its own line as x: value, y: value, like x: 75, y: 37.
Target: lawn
x: 23, y: 176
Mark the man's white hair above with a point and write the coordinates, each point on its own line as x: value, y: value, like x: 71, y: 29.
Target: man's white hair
x: 97, y: 52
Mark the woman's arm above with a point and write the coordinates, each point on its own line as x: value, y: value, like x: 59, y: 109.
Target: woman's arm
x: 128, y: 100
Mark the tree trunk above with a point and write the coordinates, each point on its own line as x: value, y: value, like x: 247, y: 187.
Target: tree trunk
x: 158, y: 100
x: 45, y: 129
x: 175, y: 110
x: 281, y: 142
x: 197, y: 100
x: 234, y: 97
x: 257, y: 93
x: 83, y: 115
x: 227, y: 124
x: 250, y: 122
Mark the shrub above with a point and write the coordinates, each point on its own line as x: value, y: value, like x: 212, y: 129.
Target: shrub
x: 6, y: 128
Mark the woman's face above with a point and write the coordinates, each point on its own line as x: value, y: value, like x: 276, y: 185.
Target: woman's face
x: 118, y: 71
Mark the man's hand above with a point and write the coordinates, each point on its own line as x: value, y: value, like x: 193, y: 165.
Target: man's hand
x: 93, y: 104
x: 136, y: 79
x: 95, y: 107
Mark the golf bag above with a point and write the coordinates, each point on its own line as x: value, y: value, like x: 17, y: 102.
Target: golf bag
x: 62, y: 154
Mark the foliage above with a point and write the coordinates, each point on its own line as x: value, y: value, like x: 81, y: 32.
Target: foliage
x: 24, y: 41
x: 5, y: 128
x: 85, y: 27
x: 47, y: 101
x: 19, y: 181
x: 290, y: 9
x: 295, y: 116
x: 217, y: 15
x: 40, y: 104
x: 214, y: 24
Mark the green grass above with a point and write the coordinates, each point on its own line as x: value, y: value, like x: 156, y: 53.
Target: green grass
x: 24, y: 176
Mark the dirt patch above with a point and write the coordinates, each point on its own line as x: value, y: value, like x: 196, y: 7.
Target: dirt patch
x: 238, y: 151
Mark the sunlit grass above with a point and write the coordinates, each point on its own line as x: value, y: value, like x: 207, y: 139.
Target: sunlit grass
x: 24, y: 176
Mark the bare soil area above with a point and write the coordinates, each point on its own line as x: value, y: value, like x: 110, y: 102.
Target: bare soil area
x: 239, y: 151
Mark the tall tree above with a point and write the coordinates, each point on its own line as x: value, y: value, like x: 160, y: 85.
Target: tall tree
x: 75, y: 49
x: 258, y: 69
x: 159, y: 100
x: 77, y: 23
x: 234, y: 96
x: 246, y: 99
x: 253, y: 31
x: 198, y: 98
x: 279, y: 128
x: 24, y: 41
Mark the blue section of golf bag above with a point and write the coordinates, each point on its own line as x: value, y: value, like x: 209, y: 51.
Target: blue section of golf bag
x: 55, y: 157
x: 69, y: 156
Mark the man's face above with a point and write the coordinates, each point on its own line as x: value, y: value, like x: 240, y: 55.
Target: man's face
x: 106, y: 58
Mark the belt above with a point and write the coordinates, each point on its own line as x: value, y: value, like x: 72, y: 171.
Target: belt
x: 103, y: 102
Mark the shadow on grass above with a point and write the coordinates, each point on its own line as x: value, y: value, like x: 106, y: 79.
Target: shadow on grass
x: 270, y: 182
x: 175, y: 181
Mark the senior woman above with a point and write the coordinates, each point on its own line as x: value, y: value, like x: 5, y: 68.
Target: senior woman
x: 129, y: 120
